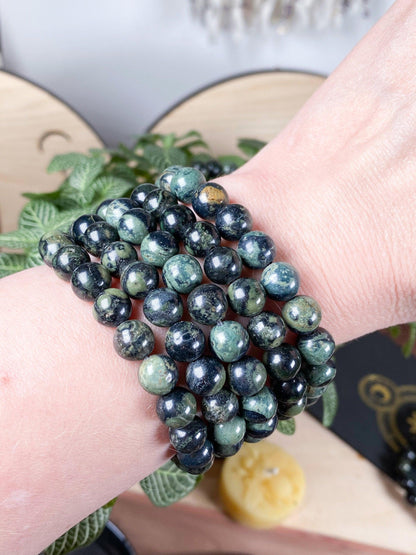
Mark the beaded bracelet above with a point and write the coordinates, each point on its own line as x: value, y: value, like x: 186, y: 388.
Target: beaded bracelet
x: 241, y: 396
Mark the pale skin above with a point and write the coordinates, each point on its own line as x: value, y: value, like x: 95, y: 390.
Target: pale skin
x: 335, y: 190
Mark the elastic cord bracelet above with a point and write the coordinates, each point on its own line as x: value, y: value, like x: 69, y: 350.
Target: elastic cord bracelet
x: 241, y: 397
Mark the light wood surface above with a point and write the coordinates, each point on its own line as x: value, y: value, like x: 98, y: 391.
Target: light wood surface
x: 34, y: 126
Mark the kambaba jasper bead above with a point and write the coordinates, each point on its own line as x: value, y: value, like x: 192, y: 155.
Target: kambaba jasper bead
x: 201, y: 238
x: 177, y: 408
x: 190, y: 438
x: 246, y: 296
x: 205, y: 376
x: 198, y: 462
x: 316, y: 347
x: 89, y: 280
x: 230, y: 432
x: 290, y: 391
x: 177, y: 219
x: 164, y: 179
x: 319, y: 375
x: 260, y: 407
x: 207, y: 304
x: 138, y: 279
x: 158, y: 247
x: 67, y: 258
x: 257, y: 250
x: 97, y: 236
x: 302, y: 314
x: 266, y: 330
x: 229, y: 340
x: 223, y: 265
x: 117, y: 208
x: 163, y: 307
x: 79, y: 226
x: 184, y: 341
x: 158, y: 375
x: 115, y: 256
x: 50, y: 243
x: 111, y: 307
x: 134, y: 225
x: 140, y: 192
x: 289, y: 410
x: 208, y: 199
x: 246, y: 376
x: 256, y: 431
x: 157, y: 201
x: 182, y: 273
x: 133, y: 340
x: 185, y: 182
x: 280, y: 280
x: 220, y: 407
x: 283, y: 362
x: 233, y: 221
x: 102, y: 208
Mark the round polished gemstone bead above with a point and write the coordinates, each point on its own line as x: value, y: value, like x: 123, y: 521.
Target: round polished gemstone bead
x: 247, y: 376
x: 260, y: 407
x: 289, y: 410
x: 214, y: 168
x: 67, y: 258
x: 182, y: 273
x: 197, y: 462
x: 184, y: 341
x: 138, y: 279
x: 158, y: 375
x: 283, y: 362
x: 157, y: 201
x: 280, y: 280
x: 257, y: 250
x: 50, y: 243
x: 266, y: 330
x: 177, y: 219
x: 79, y: 227
x: 319, y: 375
x: 177, y: 408
x: 229, y: 340
x: 190, y: 438
x: 315, y: 392
x: 89, y: 280
x: 140, y: 192
x: 133, y: 340
x: 112, y: 307
x: 316, y: 347
x: 290, y: 391
x: 163, y: 307
x: 164, y: 179
x: 102, y: 208
x: 220, y: 407
x: 230, y: 432
x: 97, y: 236
x: 202, y: 167
x: 201, y: 238
x: 185, y: 183
x: 246, y: 296
x: 205, y: 376
x: 223, y: 265
x: 223, y: 451
x: 208, y: 199
x: 207, y: 304
x: 134, y: 225
x: 158, y: 247
x: 302, y: 314
x: 233, y: 221
x: 117, y: 208
x: 115, y: 256
x: 256, y: 431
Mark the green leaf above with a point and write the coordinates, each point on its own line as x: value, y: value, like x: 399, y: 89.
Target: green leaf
x: 287, y: 427
x: 19, y: 239
x: 168, y: 484
x: 124, y: 172
x: 33, y: 259
x: 201, y: 157
x: 63, y: 162
x: 36, y: 216
x: 83, y: 533
x: 51, y: 197
x: 194, y: 144
x: 330, y: 405
x: 250, y: 147
x: 84, y: 174
x: 395, y: 331
x: 407, y: 348
x: 109, y: 186
x: 131, y: 156
x: 162, y: 158
x: 232, y: 159
x: 11, y: 263
x: 191, y: 133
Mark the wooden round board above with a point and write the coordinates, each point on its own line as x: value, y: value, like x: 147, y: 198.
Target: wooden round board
x: 34, y: 126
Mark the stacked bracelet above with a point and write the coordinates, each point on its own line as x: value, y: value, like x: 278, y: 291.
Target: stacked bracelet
x: 241, y: 396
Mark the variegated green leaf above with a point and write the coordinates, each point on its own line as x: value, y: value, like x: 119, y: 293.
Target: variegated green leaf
x: 36, y: 216
x: 330, y: 404
x: 63, y: 162
x: 287, y: 427
x: 11, y: 263
x: 19, y: 239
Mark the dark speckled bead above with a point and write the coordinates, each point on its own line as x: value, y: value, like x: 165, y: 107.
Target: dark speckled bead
x: 247, y: 376
x: 97, y: 236
x: 102, y: 208
x: 256, y: 431
x: 205, y: 376
x: 89, y: 280
x: 246, y: 296
x: 177, y: 219
x: 184, y: 341
x: 50, y: 243
x: 319, y: 375
x: 115, y: 256
x: 289, y: 410
x: 229, y: 340
x: 208, y: 199
x: 220, y: 407
x: 112, y: 307
x: 302, y: 314
x: 157, y: 201
x: 133, y: 340
x: 223, y: 451
x: 182, y: 273
x: 79, y: 227
x: 266, y: 330
x: 280, y: 280
x: 67, y: 258
x: 163, y: 307
x: 185, y: 183
x: 229, y: 433
x: 315, y: 392
x: 134, y: 225
x: 201, y: 238
x: 140, y: 192
x: 164, y: 179
x: 290, y: 391
x: 223, y: 265
x: 117, y: 208
x: 198, y: 462
x: 207, y: 304
x: 316, y: 347
x: 158, y: 247
x: 257, y: 250
x: 233, y: 221
x: 283, y: 362
x: 260, y: 407
x: 190, y: 438
x: 158, y: 375
x: 138, y: 279
x: 177, y: 408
